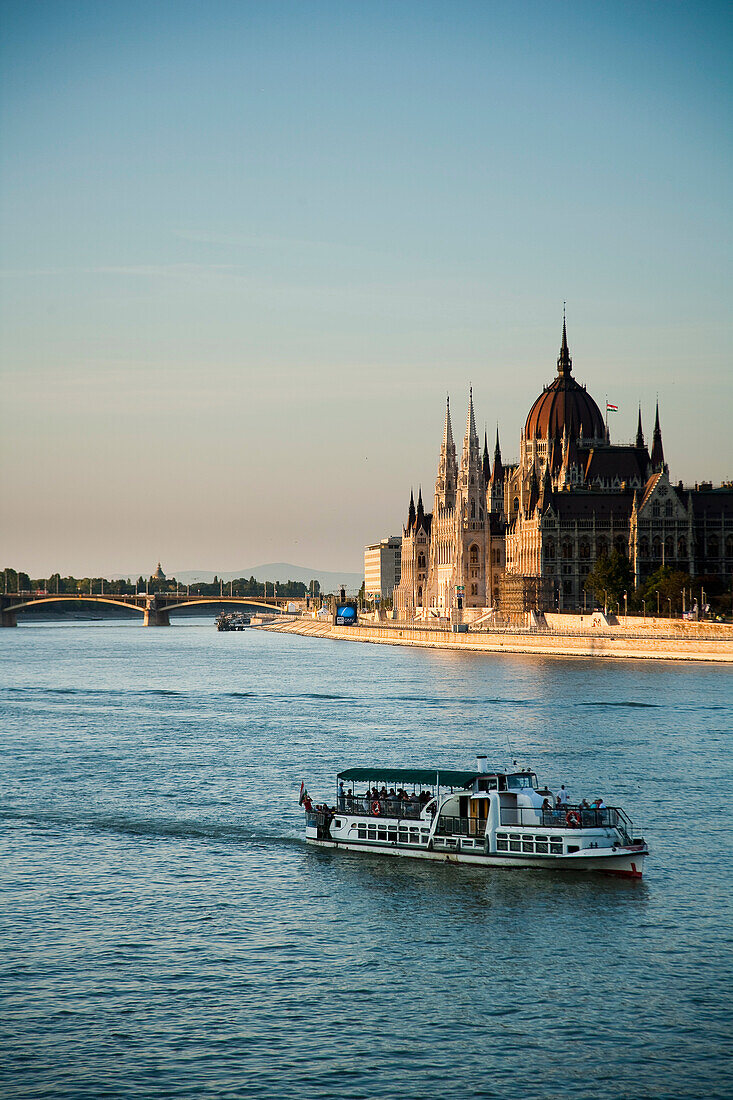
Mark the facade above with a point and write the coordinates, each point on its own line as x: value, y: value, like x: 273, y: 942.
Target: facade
x: 573, y: 497
x: 382, y: 568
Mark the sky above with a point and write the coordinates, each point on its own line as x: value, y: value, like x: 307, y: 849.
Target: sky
x: 247, y: 248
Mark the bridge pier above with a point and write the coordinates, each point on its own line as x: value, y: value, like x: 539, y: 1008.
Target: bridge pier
x: 154, y: 615
x: 7, y: 618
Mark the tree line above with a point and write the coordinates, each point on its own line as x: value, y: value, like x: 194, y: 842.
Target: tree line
x: 667, y: 591
x: 14, y: 581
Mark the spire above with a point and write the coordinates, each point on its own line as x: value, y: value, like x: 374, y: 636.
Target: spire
x: 546, y: 489
x: 534, y: 493
x: 564, y: 362
x: 420, y: 510
x: 471, y: 421
x: 639, y: 432
x: 498, y: 473
x: 657, y: 448
x: 486, y: 463
x: 411, y: 512
x: 448, y: 430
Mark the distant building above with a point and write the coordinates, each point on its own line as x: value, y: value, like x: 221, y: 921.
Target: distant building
x: 526, y: 535
x: 159, y: 575
x: 382, y: 568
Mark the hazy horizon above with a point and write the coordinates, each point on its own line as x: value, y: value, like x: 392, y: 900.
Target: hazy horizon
x: 247, y: 249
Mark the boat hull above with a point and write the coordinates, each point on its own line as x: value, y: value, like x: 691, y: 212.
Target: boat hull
x: 623, y: 862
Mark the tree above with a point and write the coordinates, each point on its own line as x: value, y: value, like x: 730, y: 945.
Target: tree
x: 668, y: 582
x: 609, y: 578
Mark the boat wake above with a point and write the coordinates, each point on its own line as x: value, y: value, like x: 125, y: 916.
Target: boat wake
x: 153, y: 828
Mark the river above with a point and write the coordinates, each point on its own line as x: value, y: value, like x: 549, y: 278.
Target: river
x: 165, y: 931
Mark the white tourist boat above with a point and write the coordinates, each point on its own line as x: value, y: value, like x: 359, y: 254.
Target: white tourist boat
x: 484, y: 817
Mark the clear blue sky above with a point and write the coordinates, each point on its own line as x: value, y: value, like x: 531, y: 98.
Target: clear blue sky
x: 248, y: 247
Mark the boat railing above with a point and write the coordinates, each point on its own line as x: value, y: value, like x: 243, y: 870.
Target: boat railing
x: 460, y: 826
x: 574, y: 817
x: 380, y: 807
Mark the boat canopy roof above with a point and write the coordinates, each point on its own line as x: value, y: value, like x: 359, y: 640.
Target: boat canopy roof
x: 426, y: 777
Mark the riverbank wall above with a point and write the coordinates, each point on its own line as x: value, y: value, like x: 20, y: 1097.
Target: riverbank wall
x: 680, y: 642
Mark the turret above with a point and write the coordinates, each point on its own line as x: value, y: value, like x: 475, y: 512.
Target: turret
x: 411, y: 513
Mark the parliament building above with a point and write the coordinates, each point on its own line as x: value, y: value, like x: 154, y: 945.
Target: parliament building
x: 520, y: 537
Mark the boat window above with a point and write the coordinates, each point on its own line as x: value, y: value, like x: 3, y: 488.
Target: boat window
x: 522, y: 779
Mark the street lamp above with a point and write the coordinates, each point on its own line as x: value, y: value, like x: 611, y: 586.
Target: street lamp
x: 657, y: 603
x: 669, y: 601
x: 626, y: 605
x: 643, y: 604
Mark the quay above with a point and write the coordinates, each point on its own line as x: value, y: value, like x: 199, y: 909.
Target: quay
x: 629, y: 637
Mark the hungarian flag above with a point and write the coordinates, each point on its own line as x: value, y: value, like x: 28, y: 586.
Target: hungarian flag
x: 303, y: 794
x: 611, y: 408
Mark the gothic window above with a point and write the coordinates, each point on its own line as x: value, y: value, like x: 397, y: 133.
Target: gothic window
x: 474, y: 590
x: 567, y: 549
x: 644, y: 547
x: 682, y: 548
x: 516, y: 504
x: 729, y: 546
x: 550, y: 550
x: 584, y: 549
x: 473, y: 509
x: 481, y: 514
x: 421, y: 561
x: 669, y: 508
x: 602, y: 548
x: 713, y: 546
x: 567, y: 587
x: 473, y: 555
x: 619, y: 543
x: 419, y: 594
x: 657, y: 548
x: 655, y: 509
x: 669, y: 547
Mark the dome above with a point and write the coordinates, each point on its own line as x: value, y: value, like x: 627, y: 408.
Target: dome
x: 565, y: 404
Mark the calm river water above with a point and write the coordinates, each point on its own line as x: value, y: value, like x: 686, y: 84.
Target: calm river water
x: 166, y: 932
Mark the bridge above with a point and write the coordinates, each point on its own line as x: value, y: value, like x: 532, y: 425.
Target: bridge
x: 155, y: 609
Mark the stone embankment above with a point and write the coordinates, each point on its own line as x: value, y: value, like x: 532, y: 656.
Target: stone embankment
x: 654, y: 640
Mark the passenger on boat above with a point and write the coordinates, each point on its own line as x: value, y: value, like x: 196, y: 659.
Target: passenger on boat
x: 547, y: 806
x: 563, y: 796
x: 342, y: 796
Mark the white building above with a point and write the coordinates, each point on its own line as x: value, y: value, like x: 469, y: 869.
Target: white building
x: 382, y: 568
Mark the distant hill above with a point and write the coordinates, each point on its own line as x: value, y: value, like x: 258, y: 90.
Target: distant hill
x: 277, y: 571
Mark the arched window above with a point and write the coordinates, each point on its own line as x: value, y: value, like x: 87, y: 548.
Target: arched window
x: 655, y: 509
x: 584, y: 549
x: 567, y: 549
x: 602, y: 548
x: 619, y: 543
x: 729, y: 546
x: 669, y: 547
x: 516, y: 504
x: 713, y: 546
x: 473, y: 509
x: 644, y: 547
x: 682, y: 548
x: 668, y: 508
x: 421, y: 561
x: 419, y: 594
x: 473, y: 555
x: 550, y: 550
x: 474, y: 590
x: 657, y: 548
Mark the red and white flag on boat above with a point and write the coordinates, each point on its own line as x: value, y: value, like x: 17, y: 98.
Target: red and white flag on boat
x: 303, y: 794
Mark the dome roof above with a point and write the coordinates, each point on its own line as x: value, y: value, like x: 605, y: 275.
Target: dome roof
x: 565, y: 404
